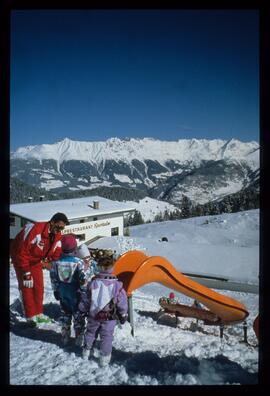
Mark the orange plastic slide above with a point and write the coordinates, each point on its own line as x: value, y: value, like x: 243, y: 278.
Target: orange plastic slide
x: 135, y: 270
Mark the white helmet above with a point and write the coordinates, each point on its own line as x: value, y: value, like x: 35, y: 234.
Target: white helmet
x: 83, y: 251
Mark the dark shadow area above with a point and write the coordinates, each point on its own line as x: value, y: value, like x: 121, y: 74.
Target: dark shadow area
x: 214, y: 370
x: 148, y: 314
x: 16, y: 307
x: 166, y: 319
x: 217, y: 370
x: 52, y: 310
x: 22, y: 329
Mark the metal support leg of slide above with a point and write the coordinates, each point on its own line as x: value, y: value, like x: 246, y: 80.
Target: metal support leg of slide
x: 245, y: 331
x: 130, y: 315
x: 221, y: 331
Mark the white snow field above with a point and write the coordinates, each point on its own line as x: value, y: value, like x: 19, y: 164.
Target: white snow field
x: 159, y: 353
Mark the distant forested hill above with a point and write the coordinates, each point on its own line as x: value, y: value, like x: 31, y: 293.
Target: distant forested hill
x: 244, y: 199
x: 20, y: 191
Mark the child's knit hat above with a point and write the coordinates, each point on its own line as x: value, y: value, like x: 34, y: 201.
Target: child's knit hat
x: 69, y: 243
x: 171, y: 296
x: 106, y: 262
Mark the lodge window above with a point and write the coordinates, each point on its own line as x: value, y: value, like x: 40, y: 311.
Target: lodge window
x: 73, y: 221
x: 24, y: 221
x: 114, y: 231
x: 81, y: 220
x: 12, y: 221
x: 95, y: 218
x: 81, y: 237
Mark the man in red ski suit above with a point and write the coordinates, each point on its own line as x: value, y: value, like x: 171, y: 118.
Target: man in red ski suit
x: 34, y: 246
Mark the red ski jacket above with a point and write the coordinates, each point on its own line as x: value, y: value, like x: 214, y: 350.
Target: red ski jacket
x: 32, y: 244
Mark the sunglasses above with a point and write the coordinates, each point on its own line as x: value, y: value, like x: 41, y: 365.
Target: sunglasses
x: 59, y: 228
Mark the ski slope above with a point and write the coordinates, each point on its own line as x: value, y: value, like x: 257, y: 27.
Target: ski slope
x: 159, y: 353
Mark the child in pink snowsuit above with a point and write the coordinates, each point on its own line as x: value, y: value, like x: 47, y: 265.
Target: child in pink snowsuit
x: 104, y: 302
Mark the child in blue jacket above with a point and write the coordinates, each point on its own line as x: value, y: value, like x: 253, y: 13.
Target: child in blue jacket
x: 68, y: 279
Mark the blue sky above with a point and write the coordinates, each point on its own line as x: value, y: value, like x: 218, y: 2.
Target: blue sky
x: 168, y: 74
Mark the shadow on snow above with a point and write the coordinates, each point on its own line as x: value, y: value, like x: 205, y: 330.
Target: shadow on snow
x: 216, y: 370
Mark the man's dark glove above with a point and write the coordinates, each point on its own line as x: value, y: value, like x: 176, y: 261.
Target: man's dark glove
x: 56, y: 295
x: 46, y: 264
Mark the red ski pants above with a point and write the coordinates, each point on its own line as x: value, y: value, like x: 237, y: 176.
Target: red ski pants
x: 32, y: 298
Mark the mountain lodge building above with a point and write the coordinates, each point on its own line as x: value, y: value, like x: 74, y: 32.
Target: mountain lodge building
x: 90, y: 217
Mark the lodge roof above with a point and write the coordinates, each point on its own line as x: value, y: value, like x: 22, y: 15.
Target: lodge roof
x: 73, y: 208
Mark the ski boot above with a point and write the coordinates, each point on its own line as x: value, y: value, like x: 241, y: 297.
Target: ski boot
x: 104, y: 360
x: 79, y: 339
x: 41, y: 319
x: 85, y: 353
x: 65, y: 332
x: 37, y: 320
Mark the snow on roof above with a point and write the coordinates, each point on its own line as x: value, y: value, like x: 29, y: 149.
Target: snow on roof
x: 73, y: 208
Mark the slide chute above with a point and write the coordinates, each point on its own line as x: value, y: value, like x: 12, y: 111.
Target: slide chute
x: 135, y: 270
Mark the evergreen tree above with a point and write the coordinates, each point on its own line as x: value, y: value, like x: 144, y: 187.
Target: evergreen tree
x: 135, y: 218
x: 158, y: 217
x: 185, y: 207
x: 126, y: 231
x: 166, y: 215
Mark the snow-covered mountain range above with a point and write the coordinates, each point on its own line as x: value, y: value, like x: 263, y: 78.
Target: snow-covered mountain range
x: 203, y: 170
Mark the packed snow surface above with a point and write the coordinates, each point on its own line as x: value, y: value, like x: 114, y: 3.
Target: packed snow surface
x: 159, y: 353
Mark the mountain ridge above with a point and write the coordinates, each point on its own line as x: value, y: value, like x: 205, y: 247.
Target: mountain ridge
x: 201, y: 169
x: 115, y: 148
